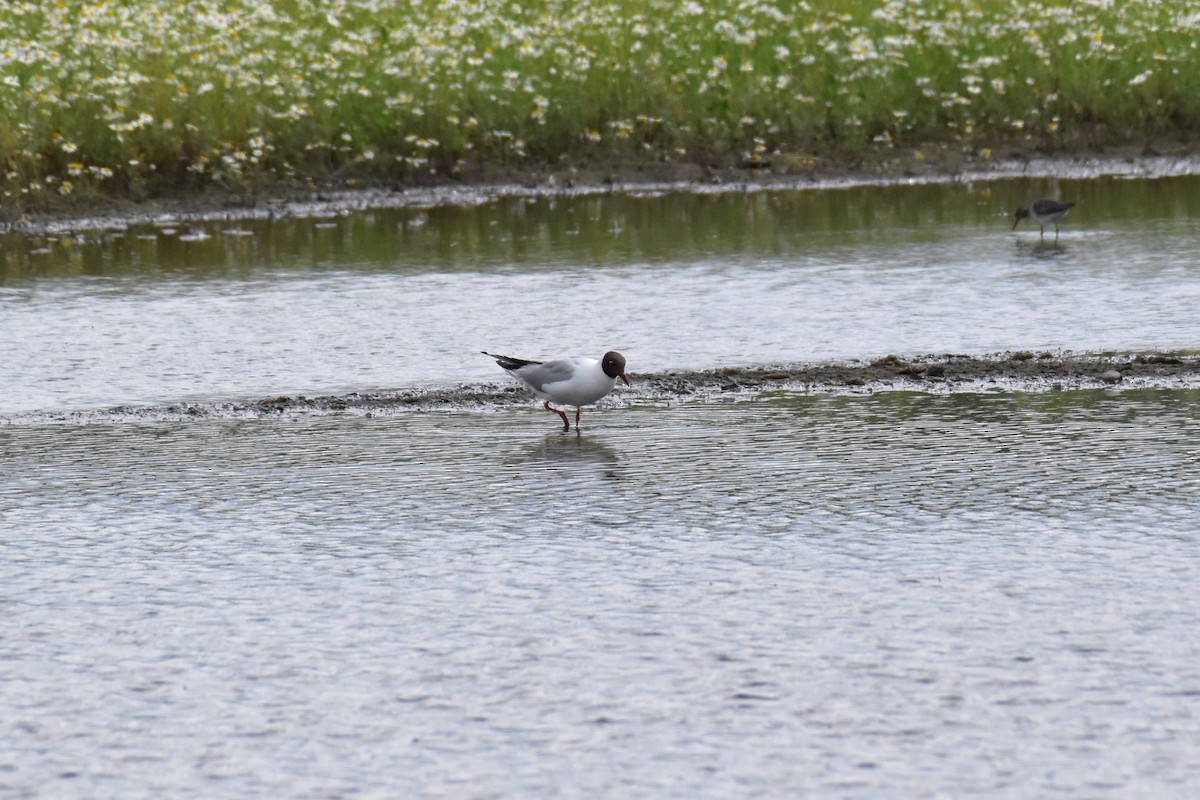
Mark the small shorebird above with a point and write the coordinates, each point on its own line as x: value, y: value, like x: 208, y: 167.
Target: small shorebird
x: 1043, y: 213
x: 567, y: 381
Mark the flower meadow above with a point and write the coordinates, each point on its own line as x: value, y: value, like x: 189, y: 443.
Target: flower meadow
x: 131, y: 98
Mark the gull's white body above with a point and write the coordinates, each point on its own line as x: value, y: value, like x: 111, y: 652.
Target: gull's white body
x: 575, y: 381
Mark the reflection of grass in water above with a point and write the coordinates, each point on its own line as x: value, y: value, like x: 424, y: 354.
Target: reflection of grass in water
x: 134, y: 96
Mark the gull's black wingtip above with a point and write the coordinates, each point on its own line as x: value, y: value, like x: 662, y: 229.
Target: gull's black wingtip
x: 508, y: 362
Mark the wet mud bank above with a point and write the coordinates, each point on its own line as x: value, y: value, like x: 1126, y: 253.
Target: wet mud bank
x: 492, y: 185
x: 1023, y: 371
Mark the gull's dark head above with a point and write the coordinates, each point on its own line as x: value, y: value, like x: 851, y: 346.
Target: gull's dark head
x: 613, y: 365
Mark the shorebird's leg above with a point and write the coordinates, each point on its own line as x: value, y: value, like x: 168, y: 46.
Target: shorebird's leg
x: 1043, y: 227
x: 578, y: 410
x: 566, y: 422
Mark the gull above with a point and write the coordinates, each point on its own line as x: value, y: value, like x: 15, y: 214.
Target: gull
x: 574, y: 381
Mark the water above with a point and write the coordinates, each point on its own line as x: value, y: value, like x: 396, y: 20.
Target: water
x: 902, y: 595
x: 391, y: 299
x: 897, y: 595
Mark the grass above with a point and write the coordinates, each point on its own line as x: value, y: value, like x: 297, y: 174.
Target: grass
x: 134, y: 98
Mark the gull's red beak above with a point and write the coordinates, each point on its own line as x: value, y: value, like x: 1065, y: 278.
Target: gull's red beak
x: 624, y: 379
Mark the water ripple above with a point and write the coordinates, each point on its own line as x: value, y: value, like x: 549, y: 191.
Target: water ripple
x: 854, y: 596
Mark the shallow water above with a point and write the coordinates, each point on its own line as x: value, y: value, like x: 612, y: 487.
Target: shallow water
x: 899, y: 595
x: 398, y: 298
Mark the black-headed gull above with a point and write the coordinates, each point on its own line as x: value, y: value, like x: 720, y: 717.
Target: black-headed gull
x: 567, y: 381
x: 1044, y: 212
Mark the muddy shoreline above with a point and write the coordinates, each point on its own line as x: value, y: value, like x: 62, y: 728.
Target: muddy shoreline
x: 939, y: 374
x: 915, y: 167
x: 1024, y: 371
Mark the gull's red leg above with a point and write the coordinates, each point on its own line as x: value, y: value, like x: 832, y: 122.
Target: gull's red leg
x: 577, y: 411
x: 566, y: 422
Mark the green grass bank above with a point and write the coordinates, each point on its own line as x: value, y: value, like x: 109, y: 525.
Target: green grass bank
x: 132, y: 99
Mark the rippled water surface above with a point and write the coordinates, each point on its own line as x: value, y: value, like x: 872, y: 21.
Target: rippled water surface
x: 897, y: 595
x: 900, y: 595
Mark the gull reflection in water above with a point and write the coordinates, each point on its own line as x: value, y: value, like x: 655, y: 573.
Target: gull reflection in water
x: 559, y: 450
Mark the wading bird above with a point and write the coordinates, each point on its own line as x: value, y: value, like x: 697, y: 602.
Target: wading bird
x: 567, y: 381
x: 1044, y: 212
